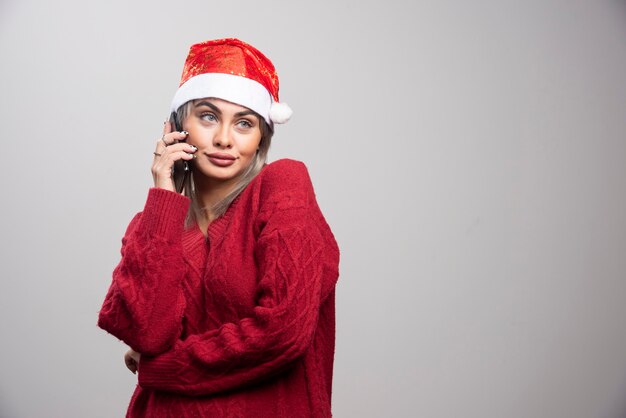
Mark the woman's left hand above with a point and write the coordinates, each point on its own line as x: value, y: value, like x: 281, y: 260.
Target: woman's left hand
x: 131, y: 358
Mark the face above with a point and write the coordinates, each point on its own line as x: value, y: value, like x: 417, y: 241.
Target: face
x: 227, y: 136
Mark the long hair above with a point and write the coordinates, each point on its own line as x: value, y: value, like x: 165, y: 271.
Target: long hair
x: 196, y: 211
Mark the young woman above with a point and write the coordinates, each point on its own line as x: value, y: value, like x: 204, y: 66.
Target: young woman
x: 225, y: 289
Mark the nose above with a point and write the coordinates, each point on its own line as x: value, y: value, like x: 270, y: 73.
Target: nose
x: 222, y: 138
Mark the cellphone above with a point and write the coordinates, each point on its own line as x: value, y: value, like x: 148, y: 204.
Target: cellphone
x: 181, y: 167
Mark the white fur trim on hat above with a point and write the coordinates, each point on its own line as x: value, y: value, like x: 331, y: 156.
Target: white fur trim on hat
x: 233, y: 88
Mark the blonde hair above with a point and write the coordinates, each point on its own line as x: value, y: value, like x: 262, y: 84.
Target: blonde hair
x: 196, y: 211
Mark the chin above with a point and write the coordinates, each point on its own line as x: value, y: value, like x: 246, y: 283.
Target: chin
x: 219, y: 174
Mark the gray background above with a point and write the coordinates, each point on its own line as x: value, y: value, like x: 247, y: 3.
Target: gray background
x: 470, y: 156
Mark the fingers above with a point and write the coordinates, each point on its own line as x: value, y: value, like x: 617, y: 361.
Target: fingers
x: 167, y: 127
x: 164, y: 162
x: 131, y: 359
x: 170, y: 138
x: 168, y: 155
x: 130, y: 362
x: 135, y: 356
x: 169, y: 149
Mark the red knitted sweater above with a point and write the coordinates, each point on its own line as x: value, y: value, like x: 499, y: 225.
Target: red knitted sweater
x: 240, y: 323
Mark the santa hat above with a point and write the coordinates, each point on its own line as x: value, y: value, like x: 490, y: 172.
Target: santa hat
x: 235, y: 71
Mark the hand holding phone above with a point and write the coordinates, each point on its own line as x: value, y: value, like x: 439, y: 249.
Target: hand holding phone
x: 171, y: 167
x: 181, y: 167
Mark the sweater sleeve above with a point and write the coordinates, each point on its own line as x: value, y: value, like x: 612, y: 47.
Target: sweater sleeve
x: 144, y: 303
x: 295, y: 269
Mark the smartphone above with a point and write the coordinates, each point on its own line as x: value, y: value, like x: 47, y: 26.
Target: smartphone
x: 181, y: 167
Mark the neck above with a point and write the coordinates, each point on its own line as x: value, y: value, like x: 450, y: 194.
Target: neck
x: 209, y: 192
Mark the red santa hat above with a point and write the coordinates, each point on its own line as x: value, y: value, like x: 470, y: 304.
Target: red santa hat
x: 235, y: 71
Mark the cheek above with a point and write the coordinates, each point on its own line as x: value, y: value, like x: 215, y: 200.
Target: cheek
x: 249, y: 145
x: 198, y: 137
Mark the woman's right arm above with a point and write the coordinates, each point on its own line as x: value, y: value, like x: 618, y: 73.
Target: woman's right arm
x: 144, y: 304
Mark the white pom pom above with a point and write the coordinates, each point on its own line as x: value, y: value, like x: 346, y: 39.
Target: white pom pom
x: 280, y: 112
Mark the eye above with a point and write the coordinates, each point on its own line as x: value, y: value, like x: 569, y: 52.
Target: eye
x: 244, y: 123
x: 208, y: 116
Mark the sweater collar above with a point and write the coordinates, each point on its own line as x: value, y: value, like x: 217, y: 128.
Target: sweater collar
x: 195, y: 243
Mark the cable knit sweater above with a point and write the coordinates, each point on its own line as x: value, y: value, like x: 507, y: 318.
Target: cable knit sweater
x: 240, y: 323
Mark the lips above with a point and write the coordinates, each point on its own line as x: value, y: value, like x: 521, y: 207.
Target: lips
x: 221, y: 159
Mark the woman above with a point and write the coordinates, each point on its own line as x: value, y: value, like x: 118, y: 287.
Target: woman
x: 225, y: 289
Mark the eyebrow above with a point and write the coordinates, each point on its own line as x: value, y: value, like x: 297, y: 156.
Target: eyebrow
x: 219, y: 112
